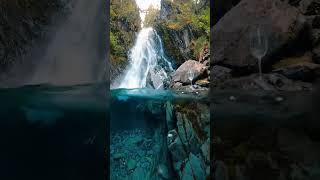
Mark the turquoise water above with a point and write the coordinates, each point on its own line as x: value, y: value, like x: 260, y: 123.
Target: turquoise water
x: 139, y: 129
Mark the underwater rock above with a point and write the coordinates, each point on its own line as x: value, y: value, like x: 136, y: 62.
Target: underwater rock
x: 177, y: 150
x: 131, y: 164
x: 181, y: 74
x: 118, y: 156
x: 281, y: 22
x: 194, y: 168
x: 191, y: 136
x: 138, y: 174
x: 169, y: 115
x: 163, y: 171
x: 205, y: 149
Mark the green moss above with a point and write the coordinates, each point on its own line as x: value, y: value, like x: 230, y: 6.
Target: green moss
x: 185, y: 14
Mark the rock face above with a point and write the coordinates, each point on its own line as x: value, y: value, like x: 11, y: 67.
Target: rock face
x: 177, y: 41
x: 281, y: 23
x: 188, y: 141
x: 21, y: 23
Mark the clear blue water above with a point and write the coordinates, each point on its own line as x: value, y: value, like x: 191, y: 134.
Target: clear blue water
x: 140, y: 115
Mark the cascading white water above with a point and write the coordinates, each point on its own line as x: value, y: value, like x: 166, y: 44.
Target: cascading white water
x: 146, y: 58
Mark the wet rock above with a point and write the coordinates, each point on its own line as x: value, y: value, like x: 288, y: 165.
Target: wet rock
x: 181, y: 74
x: 169, y: 115
x: 301, y: 68
x: 205, y: 149
x: 270, y: 82
x: 281, y: 22
x: 177, y: 150
x: 172, y: 135
x: 194, y: 169
x: 203, y: 82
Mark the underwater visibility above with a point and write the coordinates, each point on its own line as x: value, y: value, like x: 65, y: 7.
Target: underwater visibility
x: 49, y: 132
x: 152, y: 134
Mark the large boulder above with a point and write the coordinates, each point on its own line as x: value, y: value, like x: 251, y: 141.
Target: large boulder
x: 181, y: 74
x: 281, y: 23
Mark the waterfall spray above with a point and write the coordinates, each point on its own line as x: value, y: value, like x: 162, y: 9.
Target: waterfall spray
x: 146, y: 57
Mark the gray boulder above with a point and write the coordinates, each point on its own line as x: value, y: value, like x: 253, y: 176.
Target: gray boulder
x: 281, y: 23
x: 181, y: 74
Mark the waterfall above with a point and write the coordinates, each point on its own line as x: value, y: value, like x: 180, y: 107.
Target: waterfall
x: 147, y: 62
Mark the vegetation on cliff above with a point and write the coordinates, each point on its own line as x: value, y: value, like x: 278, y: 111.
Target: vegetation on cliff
x: 124, y: 23
x: 151, y: 16
x: 190, y: 21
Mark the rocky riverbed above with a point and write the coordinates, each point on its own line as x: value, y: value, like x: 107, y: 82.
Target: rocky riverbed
x: 135, y: 154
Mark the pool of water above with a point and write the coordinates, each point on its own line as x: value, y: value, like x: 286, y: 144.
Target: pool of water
x: 139, y: 131
x: 49, y: 132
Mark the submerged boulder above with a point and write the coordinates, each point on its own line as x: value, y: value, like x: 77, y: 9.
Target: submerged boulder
x: 281, y: 23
